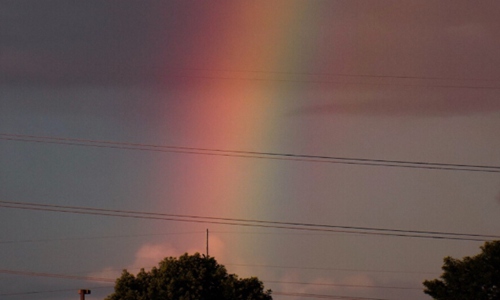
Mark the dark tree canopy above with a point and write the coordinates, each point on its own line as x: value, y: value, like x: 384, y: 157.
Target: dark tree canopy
x: 476, y: 277
x: 189, y: 277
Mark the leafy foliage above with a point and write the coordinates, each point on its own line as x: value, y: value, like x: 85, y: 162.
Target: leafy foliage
x: 476, y: 277
x: 190, y: 277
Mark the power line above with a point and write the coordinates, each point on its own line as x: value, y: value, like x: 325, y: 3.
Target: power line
x: 100, y: 279
x: 331, y: 269
x: 310, y: 268
x: 344, y: 285
x: 52, y: 275
x: 87, y: 278
x: 335, y: 74
x: 329, y: 81
x: 303, y: 269
x: 94, y: 237
x: 143, y: 235
x: 250, y: 222
x: 327, y: 284
x: 51, y: 291
x: 250, y: 154
x: 108, y: 280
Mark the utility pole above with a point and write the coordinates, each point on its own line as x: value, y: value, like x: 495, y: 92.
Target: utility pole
x: 83, y: 293
x: 207, y: 242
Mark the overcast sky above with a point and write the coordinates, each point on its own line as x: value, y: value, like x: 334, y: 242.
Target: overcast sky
x: 403, y: 80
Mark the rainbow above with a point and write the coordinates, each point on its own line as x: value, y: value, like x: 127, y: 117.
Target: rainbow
x: 227, y: 105
x: 235, y: 114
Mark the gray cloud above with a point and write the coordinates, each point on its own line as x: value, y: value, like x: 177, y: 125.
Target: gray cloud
x: 437, y: 107
x: 61, y: 42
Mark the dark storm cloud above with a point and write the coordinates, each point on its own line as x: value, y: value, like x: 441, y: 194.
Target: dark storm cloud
x: 80, y: 41
x: 106, y: 42
x: 96, y: 42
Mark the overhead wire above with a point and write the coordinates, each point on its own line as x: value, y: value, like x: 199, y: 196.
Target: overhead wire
x: 249, y: 154
x: 250, y: 222
x: 304, y: 269
x: 52, y: 275
x: 317, y: 296
x: 335, y: 74
x: 344, y: 285
x: 143, y: 235
x: 110, y: 280
x: 330, y: 269
x: 320, y: 80
x: 51, y: 291
x: 93, y: 237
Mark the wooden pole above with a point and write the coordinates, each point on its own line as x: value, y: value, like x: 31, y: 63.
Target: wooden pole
x: 83, y: 293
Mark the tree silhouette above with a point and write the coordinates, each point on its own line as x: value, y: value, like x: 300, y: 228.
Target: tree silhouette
x: 476, y: 277
x: 189, y: 277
